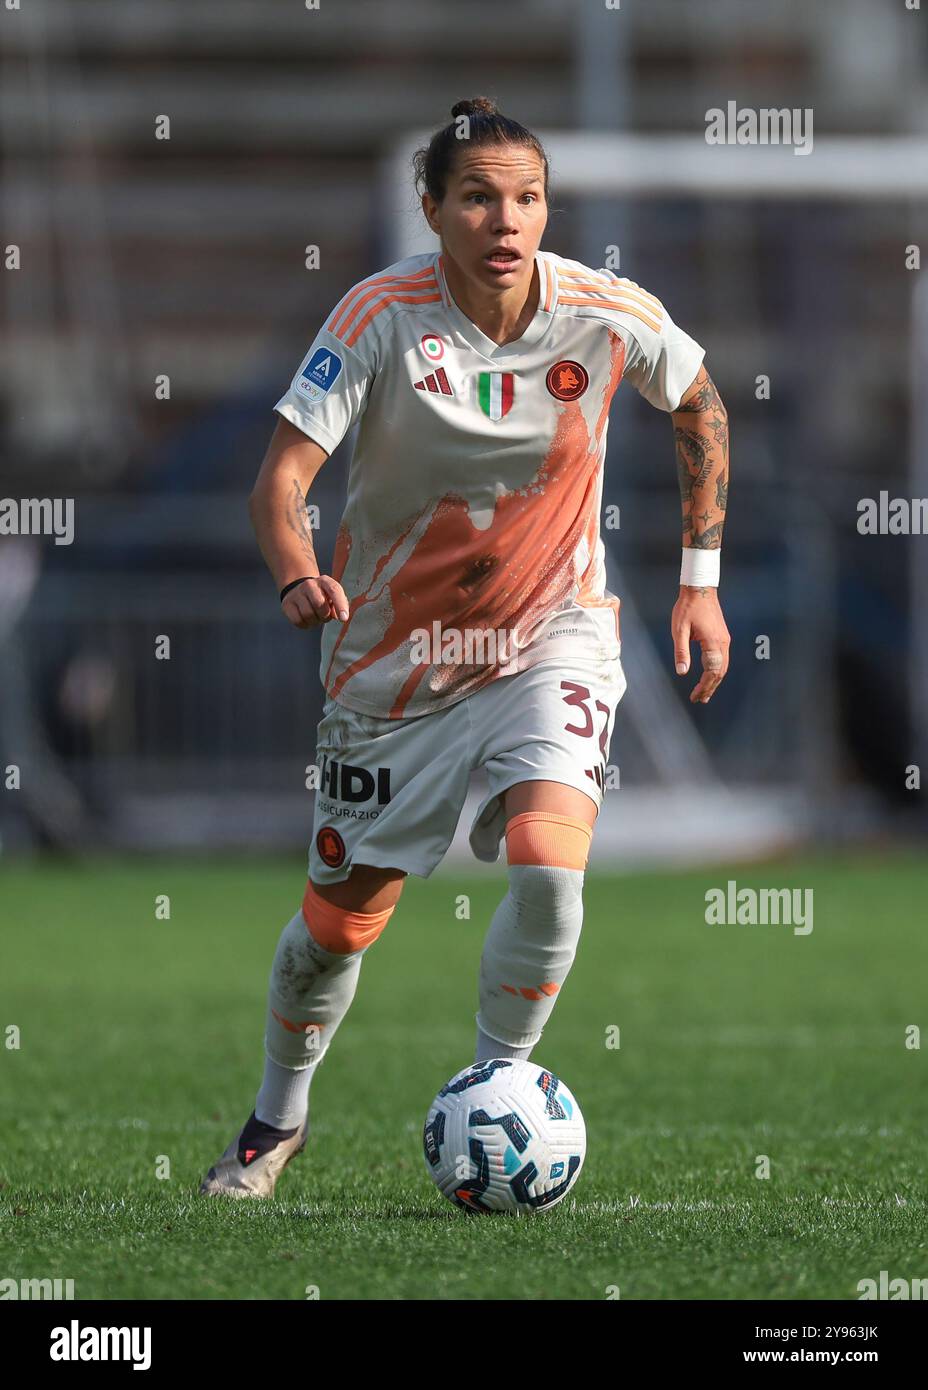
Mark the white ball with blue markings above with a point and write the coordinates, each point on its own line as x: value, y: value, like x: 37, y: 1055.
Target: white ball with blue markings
x: 504, y: 1135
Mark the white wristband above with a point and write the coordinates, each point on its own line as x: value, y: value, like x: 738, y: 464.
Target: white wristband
x: 700, y: 568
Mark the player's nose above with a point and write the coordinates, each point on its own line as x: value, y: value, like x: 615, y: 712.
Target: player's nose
x: 506, y: 216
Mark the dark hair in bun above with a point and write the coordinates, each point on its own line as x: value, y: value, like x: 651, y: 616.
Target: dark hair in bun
x: 488, y: 126
x: 475, y: 106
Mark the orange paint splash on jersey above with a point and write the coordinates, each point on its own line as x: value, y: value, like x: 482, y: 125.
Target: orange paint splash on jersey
x: 507, y: 576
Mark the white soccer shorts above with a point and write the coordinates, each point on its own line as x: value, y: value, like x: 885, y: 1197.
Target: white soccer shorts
x: 392, y: 790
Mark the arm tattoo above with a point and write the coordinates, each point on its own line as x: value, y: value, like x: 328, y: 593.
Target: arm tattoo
x: 707, y: 402
x: 298, y: 520
x: 701, y: 443
x: 693, y: 463
x: 710, y: 539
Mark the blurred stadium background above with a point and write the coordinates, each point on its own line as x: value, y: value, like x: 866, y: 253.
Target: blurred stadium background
x: 185, y: 258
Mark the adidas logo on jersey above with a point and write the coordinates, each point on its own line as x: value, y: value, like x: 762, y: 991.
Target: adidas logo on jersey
x: 436, y: 381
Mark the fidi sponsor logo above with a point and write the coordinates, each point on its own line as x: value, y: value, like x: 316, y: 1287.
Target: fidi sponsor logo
x: 892, y: 516
x: 457, y: 646
x: 749, y: 907
x: 38, y: 516
x: 76, y: 1343
x: 892, y: 1288
x: 766, y: 125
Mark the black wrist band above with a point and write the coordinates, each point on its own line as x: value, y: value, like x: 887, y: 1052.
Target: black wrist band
x: 292, y: 585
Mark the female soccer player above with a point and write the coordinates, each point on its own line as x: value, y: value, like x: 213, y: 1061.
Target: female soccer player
x: 466, y: 619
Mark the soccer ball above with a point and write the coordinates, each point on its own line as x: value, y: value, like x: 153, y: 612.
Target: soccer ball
x: 504, y: 1135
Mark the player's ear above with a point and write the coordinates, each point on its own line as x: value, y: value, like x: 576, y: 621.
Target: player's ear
x: 430, y: 211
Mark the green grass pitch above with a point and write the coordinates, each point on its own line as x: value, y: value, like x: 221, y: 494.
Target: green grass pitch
x: 141, y: 1040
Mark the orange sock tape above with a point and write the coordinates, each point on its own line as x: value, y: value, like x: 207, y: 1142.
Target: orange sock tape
x: 542, y: 837
x: 338, y: 930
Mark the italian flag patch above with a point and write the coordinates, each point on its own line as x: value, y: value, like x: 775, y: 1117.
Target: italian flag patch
x: 495, y: 392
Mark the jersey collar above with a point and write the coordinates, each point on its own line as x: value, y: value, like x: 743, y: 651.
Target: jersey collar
x: 547, y: 303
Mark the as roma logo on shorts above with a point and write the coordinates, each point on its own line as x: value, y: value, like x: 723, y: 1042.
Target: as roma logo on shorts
x: 567, y: 380
x: 331, y: 847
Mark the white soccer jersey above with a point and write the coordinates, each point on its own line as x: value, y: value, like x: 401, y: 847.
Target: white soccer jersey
x: 469, y: 547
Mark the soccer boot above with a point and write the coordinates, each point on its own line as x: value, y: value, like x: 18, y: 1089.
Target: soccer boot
x: 255, y: 1160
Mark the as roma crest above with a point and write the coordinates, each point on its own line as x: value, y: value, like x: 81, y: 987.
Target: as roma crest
x: 330, y: 847
x: 567, y: 380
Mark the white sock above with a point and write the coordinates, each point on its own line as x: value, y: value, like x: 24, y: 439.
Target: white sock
x: 307, y: 983
x: 488, y: 1047
x: 528, y: 952
x: 284, y: 1095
